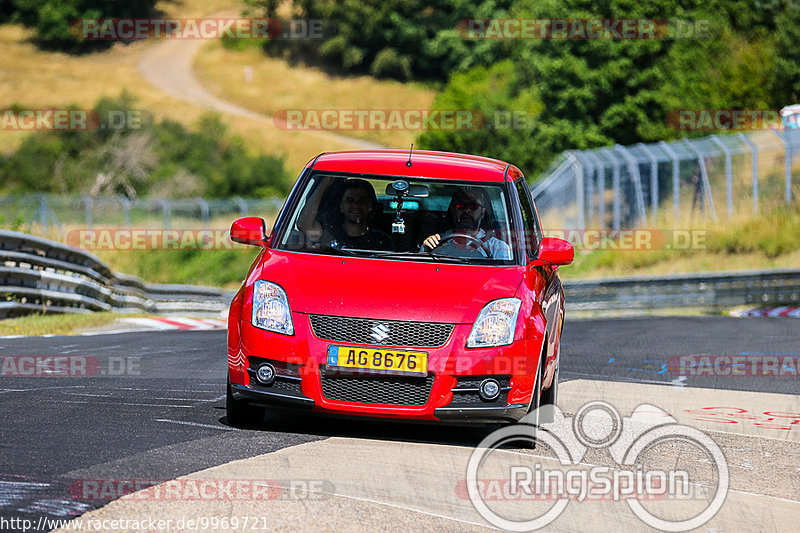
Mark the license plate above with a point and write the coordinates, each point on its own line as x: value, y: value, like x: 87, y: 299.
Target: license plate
x: 365, y: 358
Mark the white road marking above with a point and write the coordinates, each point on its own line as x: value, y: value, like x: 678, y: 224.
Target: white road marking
x: 617, y: 378
x: 405, y: 507
x: 679, y: 381
x: 196, y: 424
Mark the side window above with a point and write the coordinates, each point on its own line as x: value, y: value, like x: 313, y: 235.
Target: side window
x: 533, y: 232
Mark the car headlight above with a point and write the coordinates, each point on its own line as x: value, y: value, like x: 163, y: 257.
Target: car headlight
x: 496, y: 324
x: 271, y: 308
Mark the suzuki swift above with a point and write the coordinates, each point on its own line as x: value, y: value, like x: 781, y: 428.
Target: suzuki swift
x: 402, y: 285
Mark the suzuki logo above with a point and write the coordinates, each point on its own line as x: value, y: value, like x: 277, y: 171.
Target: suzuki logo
x: 380, y: 332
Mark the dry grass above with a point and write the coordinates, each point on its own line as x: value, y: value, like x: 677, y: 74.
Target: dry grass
x: 769, y: 241
x: 30, y: 77
x: 278, y: 86
x: 34, y: 325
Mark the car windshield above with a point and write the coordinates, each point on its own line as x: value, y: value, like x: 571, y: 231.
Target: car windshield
x: 401, y: 219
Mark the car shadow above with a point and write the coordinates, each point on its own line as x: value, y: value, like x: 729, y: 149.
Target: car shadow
x: 327, y: 425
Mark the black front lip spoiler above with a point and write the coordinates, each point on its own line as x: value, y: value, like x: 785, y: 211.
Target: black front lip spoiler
x: 482, y: 415
x: 240, y: 392
x: 477, y: 414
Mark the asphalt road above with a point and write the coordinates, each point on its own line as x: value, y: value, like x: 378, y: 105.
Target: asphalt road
x: 153, y: 408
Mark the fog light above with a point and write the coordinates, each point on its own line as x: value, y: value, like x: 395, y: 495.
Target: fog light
x: 265, y: 374
x: 490, y: 389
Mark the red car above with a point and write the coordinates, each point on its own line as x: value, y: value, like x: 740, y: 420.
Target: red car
x: 399, y: 285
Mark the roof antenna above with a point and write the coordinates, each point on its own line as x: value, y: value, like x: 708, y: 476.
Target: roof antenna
x: 408, y: 163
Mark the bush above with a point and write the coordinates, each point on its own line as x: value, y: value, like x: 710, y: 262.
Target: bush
x: 398, y: 39
x: 162, y: 158
x: 51, y: 19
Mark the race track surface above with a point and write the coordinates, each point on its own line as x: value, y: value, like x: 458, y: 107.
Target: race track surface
x: 153, y: 410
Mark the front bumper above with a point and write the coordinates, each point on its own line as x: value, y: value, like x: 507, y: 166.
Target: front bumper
x: 451, y: 384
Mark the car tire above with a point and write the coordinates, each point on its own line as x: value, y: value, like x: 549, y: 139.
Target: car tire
x: 550, y: 396
x: 240, y: 413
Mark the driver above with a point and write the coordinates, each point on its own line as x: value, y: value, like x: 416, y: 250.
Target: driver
x: 350, y: 223
x: 467, y: 209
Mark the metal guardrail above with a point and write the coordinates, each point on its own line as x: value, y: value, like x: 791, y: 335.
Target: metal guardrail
x: 39, y: 275
x: 711, y: 290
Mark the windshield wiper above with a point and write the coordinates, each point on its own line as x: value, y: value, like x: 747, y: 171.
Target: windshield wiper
x: 327, y: 247
x: 425, y: 255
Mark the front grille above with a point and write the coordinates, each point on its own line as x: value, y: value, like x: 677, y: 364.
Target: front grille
x: 388, y: 390
x: 383, y: 332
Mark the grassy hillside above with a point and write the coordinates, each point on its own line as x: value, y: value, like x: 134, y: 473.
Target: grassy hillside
x: 42, y: 79
x: 276, y: 85
x: 770, y: 241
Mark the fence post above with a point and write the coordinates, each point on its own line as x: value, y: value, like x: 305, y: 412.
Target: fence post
x: 203, y: 210
x: 165, y: 210
x: 589, y: 184
x: 676, y: 177
x: 579, y: 193
x: 728, y: 173
x: 43, y: 214
x: 633, y: 168
x: 787, y: 149
x: 709, y: 198
x: 615, y: 178
x: 653, y: 181
x: 88, y: 204
x: 126, y: 210
x: 754, y: 164
x: 600, y: 186
x: 238, y: 200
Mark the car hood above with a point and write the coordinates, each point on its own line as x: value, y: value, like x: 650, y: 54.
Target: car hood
x: 386, y: 289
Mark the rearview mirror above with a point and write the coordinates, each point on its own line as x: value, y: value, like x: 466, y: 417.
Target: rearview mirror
x: 402, y: 188
x: 249, y: 230
x: 556, y: 251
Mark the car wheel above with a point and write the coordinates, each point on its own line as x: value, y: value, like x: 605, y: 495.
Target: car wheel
x: 240, y: 413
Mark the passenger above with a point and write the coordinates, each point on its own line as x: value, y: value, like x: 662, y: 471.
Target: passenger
x: 467, y: 210
x: 349, y: 223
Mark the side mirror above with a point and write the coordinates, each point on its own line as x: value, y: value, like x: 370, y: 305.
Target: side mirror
x: 249, y: 230
x: 556, y: 251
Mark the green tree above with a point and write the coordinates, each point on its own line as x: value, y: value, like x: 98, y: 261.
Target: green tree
x: 51, y: 19
x: 401, y: 39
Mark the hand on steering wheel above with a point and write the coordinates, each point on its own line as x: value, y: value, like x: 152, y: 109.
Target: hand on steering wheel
x: 436, y: 242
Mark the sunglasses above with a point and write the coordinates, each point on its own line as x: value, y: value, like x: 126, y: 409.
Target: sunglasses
x: 467, y: 206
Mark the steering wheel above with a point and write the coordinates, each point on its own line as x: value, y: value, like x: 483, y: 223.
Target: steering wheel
x: 482, y: 247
